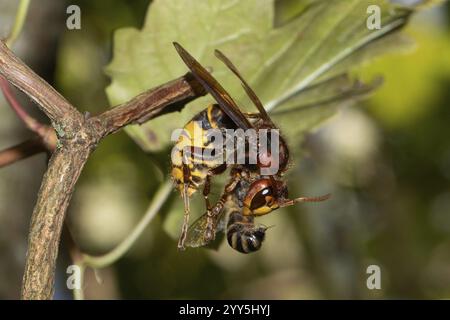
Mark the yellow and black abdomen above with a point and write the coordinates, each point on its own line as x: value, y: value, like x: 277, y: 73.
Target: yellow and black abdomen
x: 188, y: 165
x: 242, y: 233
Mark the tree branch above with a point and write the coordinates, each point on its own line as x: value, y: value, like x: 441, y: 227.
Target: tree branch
x: 78, y: 136
x: 46, y: 136
x: 149, y: 105
x: 54, y: 105
x: 47, y: 220
x: 21, y: 151
x: 29, y: 121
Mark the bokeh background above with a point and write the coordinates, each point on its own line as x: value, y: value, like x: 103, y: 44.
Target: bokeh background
x: 386, y: 161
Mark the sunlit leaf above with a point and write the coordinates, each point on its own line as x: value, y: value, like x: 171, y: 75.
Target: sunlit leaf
x: 286, y: 10
x: 279, y: 62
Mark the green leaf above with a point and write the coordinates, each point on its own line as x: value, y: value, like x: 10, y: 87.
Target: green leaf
x: 146, y: 58
x: 279, y: 62
x: 337, y: 32
x: 286, y: 10
x: 306, y: 111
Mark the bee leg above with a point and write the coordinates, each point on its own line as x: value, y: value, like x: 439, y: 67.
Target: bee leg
x: 211, y: 212
x: 206, y: 190
x: 232, y: 184
x: 184, y: 228
x: 209, y: 232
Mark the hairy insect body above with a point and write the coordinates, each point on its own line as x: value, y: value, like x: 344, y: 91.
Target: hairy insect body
x: 188, y: 166
x: 242, y: 234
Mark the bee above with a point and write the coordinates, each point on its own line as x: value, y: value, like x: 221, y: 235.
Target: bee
x: 250, y: 192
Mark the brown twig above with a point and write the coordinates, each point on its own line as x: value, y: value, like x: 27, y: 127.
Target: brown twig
x: 46, y: 136
x: 169, y: 97
x: 77, y: 136
x: 53, y: 104
x: 47, y: 220
x: 29, y: 121
x: 21, y: 151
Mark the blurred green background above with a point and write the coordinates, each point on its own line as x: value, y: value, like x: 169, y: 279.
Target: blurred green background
x: 386, y: 161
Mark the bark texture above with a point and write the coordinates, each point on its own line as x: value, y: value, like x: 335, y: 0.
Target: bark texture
x: 78, y: 135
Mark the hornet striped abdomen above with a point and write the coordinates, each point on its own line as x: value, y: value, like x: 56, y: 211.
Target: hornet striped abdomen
x: 243, y: 235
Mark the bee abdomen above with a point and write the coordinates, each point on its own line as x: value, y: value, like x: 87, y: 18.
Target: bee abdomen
x: 243, y: 235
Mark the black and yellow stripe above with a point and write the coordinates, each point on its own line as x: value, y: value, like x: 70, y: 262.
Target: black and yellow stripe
x: 195, y: 139
x: 243, y: 235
